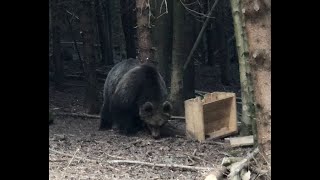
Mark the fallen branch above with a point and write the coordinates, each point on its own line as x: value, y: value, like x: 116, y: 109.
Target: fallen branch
x: 178, y: 117
x: 98, y: 117
x: 78, y: 115
x: 198, y: 158
x: 137, y: 162
x: 70, y: 162
x: 259, y: 171
x: 157, y: 165
x: 226, y: 161
x: 236, y: 167
x: 200, y: 92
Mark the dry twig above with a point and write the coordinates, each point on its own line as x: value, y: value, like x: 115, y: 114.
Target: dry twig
x: 138, y: 162
x: 236, y: 167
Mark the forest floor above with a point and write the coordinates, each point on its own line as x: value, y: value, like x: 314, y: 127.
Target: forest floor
x: 77, y: 150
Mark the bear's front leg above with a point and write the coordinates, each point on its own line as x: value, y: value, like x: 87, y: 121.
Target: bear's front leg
x: 126, y: 122
x: 105, y: 118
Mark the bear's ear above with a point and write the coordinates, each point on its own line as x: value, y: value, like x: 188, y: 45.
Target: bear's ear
x: 147, y: 107
x: 167, y: 107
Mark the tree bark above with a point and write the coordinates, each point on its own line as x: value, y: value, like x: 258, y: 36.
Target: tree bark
x: 106, y: 18
x: 188, y: 81
x: 258, y: 27
x: 51, y: 68
x: 145, y: 52
x: 128, y: 23
x: 105, y: 47
x: 248, y: 111
x: 162, y: 36
x: 212, y: 37
x: 89, y: 57
x: 200, y: 35
x: 182, y: 44
x: 192, y: 32
x: 224, y: 60
x: 118, y: 38
x: 56, y: 46
x: 75, y: 44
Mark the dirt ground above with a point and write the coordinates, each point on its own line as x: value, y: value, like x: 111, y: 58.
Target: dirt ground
x: 77, y: 150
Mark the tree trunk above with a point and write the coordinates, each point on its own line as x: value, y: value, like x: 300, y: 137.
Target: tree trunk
x: 182, y: 44
x: 258, y: 28
x: 191, y: 31
x: 103, y: 34
x: 106, y: 18
x: 212, y: 36
x: 145, y: 52
x: 162, y: 36
x: 224, y: 60
x: 75, y: 43
x: 56, y: 46
x: 118, y: 38
x: 128, y: 23
x: 188, y: 81
x: 89, y: 57
x: 51, y: 68
x: 244, y: 69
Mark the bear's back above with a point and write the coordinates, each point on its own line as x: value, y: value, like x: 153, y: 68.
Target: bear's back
x: 116, y: 73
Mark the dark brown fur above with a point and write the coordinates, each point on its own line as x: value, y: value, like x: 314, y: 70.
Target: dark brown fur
x: 134, y: 95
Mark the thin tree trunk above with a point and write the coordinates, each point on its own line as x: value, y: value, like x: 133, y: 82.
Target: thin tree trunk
x: 188, y: 81
x: 89, y: 57
x: 258, y: 27
x: 108, y: 30
x: 75, y: 44
x: 143, y: 31
x: 162, y: 36
x: 224, y: 60
x: 191, y: 31
x: 119, y: 42
x: 128, y: 24
x: 212, y: 43
x: 198, y: 40
x: 102, y: 32
x: 56, y: 46
x: 51, y: 68
x: 212, y: 36
x: 182, y: 44
x: 244, y: 68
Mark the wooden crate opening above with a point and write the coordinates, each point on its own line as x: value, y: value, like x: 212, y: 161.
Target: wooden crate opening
x: 214, y: 116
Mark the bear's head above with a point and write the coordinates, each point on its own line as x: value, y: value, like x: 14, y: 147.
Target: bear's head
x: 155, y: 116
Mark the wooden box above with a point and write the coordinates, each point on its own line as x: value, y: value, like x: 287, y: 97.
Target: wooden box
x: 214, y: 116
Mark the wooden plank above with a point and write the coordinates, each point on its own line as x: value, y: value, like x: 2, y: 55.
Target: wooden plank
x: 216, y: 96
x: 241, y: 141
x: 214, y: 126
x: 224, y: 132
x: 233, y: 126
x: 194, y: 119
x: 215, y: 115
